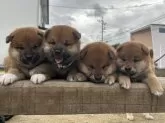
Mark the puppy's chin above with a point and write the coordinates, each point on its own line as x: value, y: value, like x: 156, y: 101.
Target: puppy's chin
x: 97, y: 81
x: 132, y: 73
x: 31, y: 62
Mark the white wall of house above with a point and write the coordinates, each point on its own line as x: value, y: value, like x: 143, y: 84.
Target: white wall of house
x: 158, y: 40
x: 16, y: 13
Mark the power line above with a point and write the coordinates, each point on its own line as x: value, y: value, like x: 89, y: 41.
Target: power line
x: 111, y: 8
x: 154, y: 20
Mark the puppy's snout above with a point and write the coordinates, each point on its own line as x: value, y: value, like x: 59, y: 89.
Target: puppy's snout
x: 98, y: 77
x: 29, y: 57
x: 57, y: 52
x: 128, y: 69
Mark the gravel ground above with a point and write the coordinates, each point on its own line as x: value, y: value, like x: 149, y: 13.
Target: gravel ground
x: 99, y: 118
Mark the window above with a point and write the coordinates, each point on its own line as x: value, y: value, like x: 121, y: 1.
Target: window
x: 162, y: 30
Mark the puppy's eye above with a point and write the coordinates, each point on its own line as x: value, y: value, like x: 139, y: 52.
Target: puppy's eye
x: 136, y: 60
x: 19, y: 48
x: 91, y: 66
x: 105, y: 66
x: 35, y: 47
x: 66, y: 43
x: 123, y: 59
x: 52, y: 42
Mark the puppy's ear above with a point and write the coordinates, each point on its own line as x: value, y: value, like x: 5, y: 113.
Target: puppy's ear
x: 112, y: 54
x: 151, y: 53
x: 119, y: 48
x: 83, y: 52
x: 40, y: 33
x: 47, y: 33
x: 116, y: 45
x: 145, y: 49
x: 76, y: 34
x: 9, y: 38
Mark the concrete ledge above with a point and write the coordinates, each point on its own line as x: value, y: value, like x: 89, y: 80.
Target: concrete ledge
x: 60, y: 97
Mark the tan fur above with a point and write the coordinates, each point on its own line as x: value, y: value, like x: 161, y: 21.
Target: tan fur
x: 67, y: 37
x: 98, y: 59
x: 26, y: 38
x: 145, y: 66
x: 7, y: 63
x: 60, y: 34
x: 129, y: 51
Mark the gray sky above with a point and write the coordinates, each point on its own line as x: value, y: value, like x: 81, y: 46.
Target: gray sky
x: 120, y: 16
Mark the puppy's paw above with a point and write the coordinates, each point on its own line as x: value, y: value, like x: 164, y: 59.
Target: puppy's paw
x: 76, y: 77
x: 148, y: 116
x: 80, y: 77
x: 154, y: 85
x: 157, y: 89
x: 158, y: 92
x: 125, y: 82
x: 110, y: 80
x: 70, y: 78
x: 130, y: 116
x: 38, y: 78
x: 8, y: 78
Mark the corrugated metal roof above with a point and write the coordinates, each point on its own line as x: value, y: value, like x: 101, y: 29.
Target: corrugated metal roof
x: 146, y: 27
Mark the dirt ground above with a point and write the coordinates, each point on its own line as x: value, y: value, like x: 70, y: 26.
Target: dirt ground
x: 99, y: 118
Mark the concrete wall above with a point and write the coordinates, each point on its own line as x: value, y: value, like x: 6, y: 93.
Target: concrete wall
x: 143, y: 36
x: 16, y: 13
x: 158, y: 40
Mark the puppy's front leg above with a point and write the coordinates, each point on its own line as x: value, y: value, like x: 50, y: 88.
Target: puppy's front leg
x: 154, y: 84
x: 12, y: 75
x: 74, y: 76
x: 110, y: 79
x: 41, y: 73
x: 124, y: 81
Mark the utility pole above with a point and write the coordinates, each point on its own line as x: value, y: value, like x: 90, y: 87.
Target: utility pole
x: 103, y: 24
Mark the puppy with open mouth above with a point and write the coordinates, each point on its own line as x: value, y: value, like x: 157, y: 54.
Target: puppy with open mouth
x: 135, y: 64
x: 97, y: 63
x: 62, y: 48
x: 25, y: 56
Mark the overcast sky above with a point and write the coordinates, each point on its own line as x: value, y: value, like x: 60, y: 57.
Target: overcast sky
x: 120, y: 16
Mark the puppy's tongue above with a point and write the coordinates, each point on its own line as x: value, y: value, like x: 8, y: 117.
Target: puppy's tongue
x: 59, y: 60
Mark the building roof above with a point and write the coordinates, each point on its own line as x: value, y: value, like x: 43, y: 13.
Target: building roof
x: 146, y: 27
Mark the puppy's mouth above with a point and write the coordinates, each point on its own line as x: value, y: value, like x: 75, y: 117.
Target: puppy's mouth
x: 30, y: 60
x: 63, y: 63
x: 131, y: 73
x: 96, y: 79
x: 58, y: 60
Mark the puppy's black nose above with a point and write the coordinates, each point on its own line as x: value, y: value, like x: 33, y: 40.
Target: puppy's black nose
x: 57, y: 52
x: 98, y: 78
x: 29, y: 56
x: 128, y: 69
